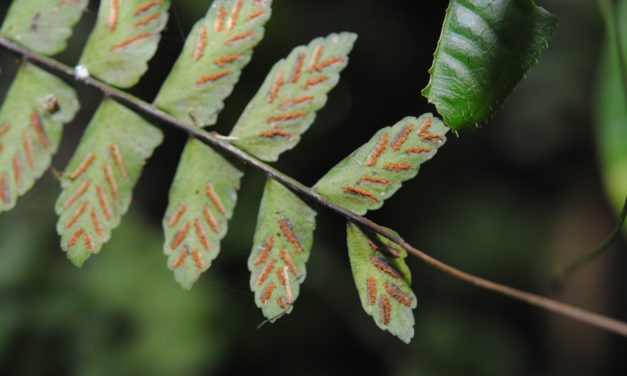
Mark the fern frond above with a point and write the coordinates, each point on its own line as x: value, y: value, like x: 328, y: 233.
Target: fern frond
x: 286, y: 104
x: 383, y: 281
x: 375, y: 171
x: 203, y: 194
x: 31, y: 124
x: 44, y: 29
x: 201, y: 202
x: 281, y: 247
x: 219, y: 46
x: 98, y: 182
x: 124, y: 38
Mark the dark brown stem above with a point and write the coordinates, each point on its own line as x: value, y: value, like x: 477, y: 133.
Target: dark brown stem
x: 591, y: 318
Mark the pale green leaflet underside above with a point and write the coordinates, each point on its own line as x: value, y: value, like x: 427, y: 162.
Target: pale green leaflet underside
x: 219, y: 46
x: 98, y: 181
x: 383, y: 281
x: 42, y: 29
x: 201, y: 202
x: 283, y: 240
x: 375, y: 171
x: 203, y: 194
x: 286, y: 104
x: 31, y: 125
x: 125, y: 37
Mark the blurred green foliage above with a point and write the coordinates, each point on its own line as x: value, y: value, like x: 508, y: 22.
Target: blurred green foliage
x: 611, y: 110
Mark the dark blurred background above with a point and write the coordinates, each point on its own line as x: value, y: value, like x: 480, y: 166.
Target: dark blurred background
x: 511, y: 202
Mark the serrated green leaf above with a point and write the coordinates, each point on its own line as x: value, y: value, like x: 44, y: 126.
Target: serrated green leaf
x: 485, y: 49
x: 31, y: 124
x: 611, y: 114
x: 42, y: 28
x: 286, y: 104
x: 375, y: 171
x: 281, y: 247
x: 219, y: 46
x: 201, y: 202
x: 124, y: 39
x: 383, y: 281
x: 98, y: 182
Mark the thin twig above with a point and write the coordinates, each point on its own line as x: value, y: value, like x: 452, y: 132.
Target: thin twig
x: 584, y: 259
x: 307, y: 193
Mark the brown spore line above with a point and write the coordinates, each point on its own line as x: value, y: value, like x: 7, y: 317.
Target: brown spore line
x: 201, y: 43
x: 17, y: 170
x: 146, y: 6
x: 180, y: 235
x: 274, y: 133
x: 234, y: 15
x: 374, y: 156
x: 201, y: 235
x: 267, y: 293
x: 315, y: 81
x: 255, y: 14
x: 174, y: 218
x: 112, y: 20
x: 83, y: 166
x: 402, y: 136
x: 382, y: 264
x: 298, y: 67
x: 371, y: 290
x: 397, y: 294
x: 286, y: 229
x: 35, y: 123
x: 237, y: 38
x: 276, y: 86
x: 114, y: 150
x: 4, y: 189
x: 78, y: 193
x: 265, y: 251
x: 219, y: 21
x: 214, y: 198
x: 129, y: 40
x: 27, y: 145
x: 103, y: 202
x: 197, y: 259
x: 351, y: 189
x: 210, y: 78
x: 146, y: 20
x: 265, y: 272
x: 385, y: 309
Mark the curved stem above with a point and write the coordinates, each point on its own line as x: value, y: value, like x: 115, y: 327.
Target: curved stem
x: 569, y: 270
x: 307, y: 193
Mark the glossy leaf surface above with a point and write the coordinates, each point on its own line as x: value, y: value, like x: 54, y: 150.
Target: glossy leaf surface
x: 485, y: 49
